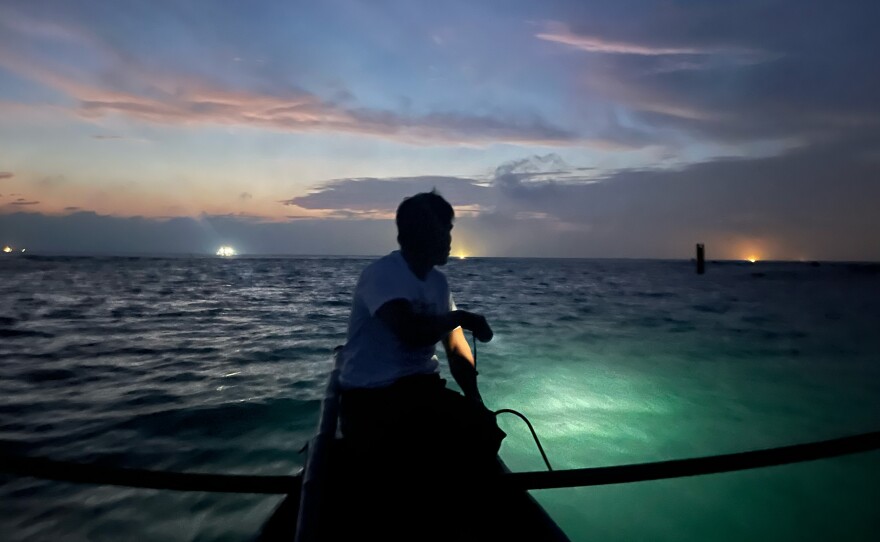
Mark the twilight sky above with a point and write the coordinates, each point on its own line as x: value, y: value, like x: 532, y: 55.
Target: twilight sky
x: 610, y: 128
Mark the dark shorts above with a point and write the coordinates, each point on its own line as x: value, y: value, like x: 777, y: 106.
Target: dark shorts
x: 419, y: 420
x: 422, y: 454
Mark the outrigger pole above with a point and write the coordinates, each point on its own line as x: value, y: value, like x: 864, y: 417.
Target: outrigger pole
x: 228, y: 483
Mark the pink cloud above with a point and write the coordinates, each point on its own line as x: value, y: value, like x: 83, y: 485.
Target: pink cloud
x: 560, y: 33
x: 162, y: 96
x: 594, y: 44
x: 296, y: 111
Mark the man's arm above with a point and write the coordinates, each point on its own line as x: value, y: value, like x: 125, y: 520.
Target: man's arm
x: 461, y: 363
x: 419, y: 330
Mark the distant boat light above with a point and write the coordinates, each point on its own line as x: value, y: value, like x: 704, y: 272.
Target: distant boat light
x: 7, y: 249
x: 226, y: 251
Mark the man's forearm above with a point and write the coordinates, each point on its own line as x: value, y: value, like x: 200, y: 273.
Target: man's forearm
x: 465, y: 375
x: 428, y: 330
x: 419, y: 330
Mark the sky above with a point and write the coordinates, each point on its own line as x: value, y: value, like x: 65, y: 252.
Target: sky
x: 578, y: 128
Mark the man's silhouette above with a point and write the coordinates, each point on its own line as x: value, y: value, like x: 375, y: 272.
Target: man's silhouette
x: 426, y: 441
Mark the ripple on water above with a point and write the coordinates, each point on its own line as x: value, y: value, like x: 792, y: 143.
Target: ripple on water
x: 41, y: 376
x: 222, y: 420
x: 23, y: 333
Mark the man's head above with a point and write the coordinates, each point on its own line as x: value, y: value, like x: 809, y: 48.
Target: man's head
x: 424, y: 227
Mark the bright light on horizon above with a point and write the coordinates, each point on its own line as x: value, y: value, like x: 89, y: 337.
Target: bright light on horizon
x: 752, y: 259
x: 7, y: 249
x: 226, y: 251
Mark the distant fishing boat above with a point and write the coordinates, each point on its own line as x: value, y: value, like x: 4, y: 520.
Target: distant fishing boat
x: 322, y: 508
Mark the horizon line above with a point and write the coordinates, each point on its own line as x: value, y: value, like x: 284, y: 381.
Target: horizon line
x: 206, y: 255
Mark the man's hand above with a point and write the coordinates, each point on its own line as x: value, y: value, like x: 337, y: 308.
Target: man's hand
x: 477, y: 324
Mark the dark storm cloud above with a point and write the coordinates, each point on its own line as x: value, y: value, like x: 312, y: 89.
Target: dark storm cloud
x: 815, y: 201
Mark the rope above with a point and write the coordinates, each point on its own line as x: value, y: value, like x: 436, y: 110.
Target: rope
x: 532, y: 429
x: 515, y: 413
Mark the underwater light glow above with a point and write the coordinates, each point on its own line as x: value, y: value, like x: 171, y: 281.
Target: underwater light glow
x: 226, y: 251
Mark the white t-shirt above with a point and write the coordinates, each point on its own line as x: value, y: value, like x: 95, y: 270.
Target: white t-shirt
x: 373, y: 357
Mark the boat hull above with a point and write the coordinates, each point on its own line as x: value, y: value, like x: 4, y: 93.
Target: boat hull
x: 345, y: 498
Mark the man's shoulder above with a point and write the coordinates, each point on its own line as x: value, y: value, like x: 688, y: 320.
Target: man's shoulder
x: 388, y: 265
x: 385, y: 263
x: 438, y: 278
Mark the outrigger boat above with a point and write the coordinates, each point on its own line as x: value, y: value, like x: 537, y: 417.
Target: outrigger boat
x: 322, y: 510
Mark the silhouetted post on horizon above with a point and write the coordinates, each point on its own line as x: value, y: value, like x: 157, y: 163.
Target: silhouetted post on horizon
x: 701, y: 259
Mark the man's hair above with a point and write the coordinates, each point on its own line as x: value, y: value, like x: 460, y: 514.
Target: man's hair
x: 415, y: 213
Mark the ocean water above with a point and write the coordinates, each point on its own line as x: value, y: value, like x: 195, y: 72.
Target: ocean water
x: 218, y: 365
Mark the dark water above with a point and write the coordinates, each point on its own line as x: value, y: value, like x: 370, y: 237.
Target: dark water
x: 217, y: 365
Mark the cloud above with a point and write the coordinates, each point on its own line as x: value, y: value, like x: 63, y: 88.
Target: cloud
x: 244, y: 196
x: 295, y: 111
x: 125, y: 86
x: 814, y: 202
x: 767, y: 70
x: 22, y: 201
x: 560, y: 33
x: 107, y: 137
x: 381, y: 196
x: 347, y: 197
x: 6, y: 175
x: 52, y: 181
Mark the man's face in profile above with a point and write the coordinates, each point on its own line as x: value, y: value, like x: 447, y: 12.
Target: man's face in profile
x: 439, y: 244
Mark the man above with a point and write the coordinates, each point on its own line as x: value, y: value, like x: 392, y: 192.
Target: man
x: 396, y: 412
